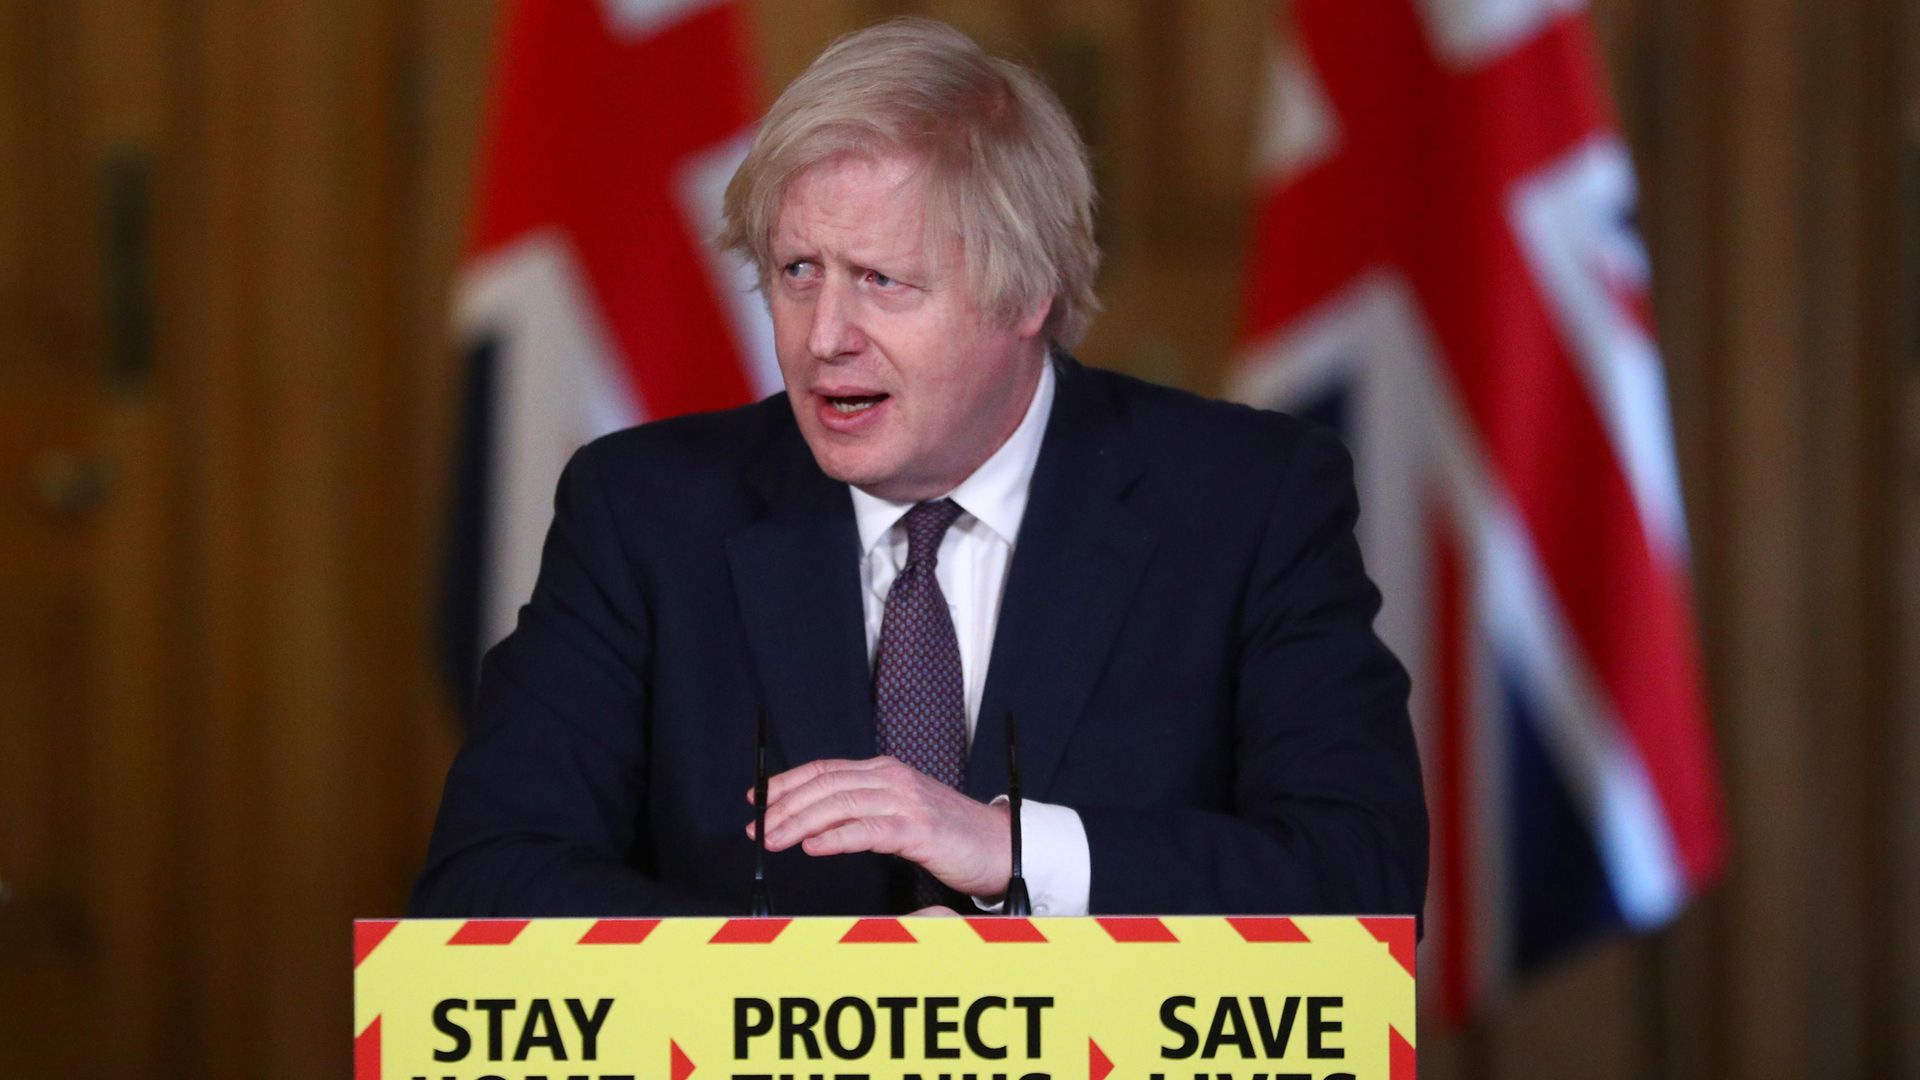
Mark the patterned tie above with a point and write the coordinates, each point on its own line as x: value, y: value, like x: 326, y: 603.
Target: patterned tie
x: 920, y: 702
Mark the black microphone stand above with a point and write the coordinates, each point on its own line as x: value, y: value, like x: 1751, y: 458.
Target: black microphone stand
x: 758, y: 904
x: 1019, y: 904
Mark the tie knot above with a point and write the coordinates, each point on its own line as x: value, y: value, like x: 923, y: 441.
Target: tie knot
x: 926, y: 523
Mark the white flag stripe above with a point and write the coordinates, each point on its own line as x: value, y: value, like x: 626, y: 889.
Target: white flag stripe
x: 1572, y: 222
x: 1469, y: 33
x: 1371, y: 336
x: 1600, y: 768
x: 559, y: 383
x: 1299, y: 130
x: 701, y: 188
x: 639, y: 18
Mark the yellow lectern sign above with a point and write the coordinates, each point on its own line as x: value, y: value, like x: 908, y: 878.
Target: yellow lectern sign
x: 1317, y: 998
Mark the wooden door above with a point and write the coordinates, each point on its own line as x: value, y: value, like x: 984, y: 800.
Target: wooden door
x: 86, y: 750
x: 52, y: 483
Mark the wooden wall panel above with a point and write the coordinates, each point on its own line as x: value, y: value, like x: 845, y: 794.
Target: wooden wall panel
x: 445, y: 53
x: 1765, y: 690
x: 1579, y: 1020
x: 136, y: 658
x: 1901, y: 809
x: 224, y: 1011
x: 1848, y: 384
x: 1671, y: 110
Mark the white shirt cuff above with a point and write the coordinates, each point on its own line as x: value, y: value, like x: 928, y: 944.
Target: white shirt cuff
x: 1058, y: 867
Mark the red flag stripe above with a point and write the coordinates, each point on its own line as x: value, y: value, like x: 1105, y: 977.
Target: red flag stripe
x: 1452, y: 794
x: 588, y: 134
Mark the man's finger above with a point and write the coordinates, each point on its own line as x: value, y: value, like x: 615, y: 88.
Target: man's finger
x: 885, y: 835
x: 856, y: 776
x: 782, y: 783
x: 881, y: 805
x: 782, y: 780
x: 803, y: 817
x: 827, y: 787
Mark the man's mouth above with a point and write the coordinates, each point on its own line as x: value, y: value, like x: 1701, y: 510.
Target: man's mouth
x: 855, y: 403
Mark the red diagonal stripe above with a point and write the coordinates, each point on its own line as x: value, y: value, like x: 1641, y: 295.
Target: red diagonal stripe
x: 366, y: 1053
x: 1312, y: 213
x: 1402, y: 1062
x: 891, y: 931
x: 1268, y: 928
x: 367, y: 936
x: 488, y: 932
x: 619, y: 931
x: 1397, y: 934
x: 1451, y: 795
x: 1627, y: 608
x: 1006, y: 930
x: 1136, y: 929
x: 748, y: 931
x: 679, y: 1065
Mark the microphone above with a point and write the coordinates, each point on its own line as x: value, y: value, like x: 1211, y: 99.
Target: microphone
x: 1019, y: 905
x: 758, y: 905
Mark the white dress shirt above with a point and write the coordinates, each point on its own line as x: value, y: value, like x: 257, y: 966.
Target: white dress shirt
x: 972, y: 571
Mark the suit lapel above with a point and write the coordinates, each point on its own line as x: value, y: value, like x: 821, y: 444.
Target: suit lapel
x: 797, y: 585
x: 1076, y: 564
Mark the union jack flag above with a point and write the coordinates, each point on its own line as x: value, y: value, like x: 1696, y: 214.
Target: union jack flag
x: 1444, y: 267
x: 590, y: 298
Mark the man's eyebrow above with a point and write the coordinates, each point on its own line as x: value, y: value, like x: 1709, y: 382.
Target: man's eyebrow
x: 903, y: 257
x: 905, y: 263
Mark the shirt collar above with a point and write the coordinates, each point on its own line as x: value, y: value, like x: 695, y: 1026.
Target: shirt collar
x: 996, y: 492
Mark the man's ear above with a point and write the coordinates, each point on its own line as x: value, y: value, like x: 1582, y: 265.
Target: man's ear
x: 1031, y: 321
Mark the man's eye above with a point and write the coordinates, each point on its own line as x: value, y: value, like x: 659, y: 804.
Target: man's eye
x: 797, y: 268
x: 879, y: 279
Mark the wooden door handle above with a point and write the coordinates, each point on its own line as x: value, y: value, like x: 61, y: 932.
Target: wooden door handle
x: 69, y: 484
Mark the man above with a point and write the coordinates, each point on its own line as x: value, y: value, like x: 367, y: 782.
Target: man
x: 943, y: 520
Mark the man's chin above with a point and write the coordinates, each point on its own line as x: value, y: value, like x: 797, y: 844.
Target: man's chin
x: 874, y: 478
x: 860, y: 470
x: 870, y: 466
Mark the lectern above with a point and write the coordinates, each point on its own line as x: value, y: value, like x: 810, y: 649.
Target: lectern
x: 1177, y: 998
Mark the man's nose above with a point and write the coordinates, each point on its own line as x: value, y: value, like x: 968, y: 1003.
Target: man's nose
x: 835, y: 330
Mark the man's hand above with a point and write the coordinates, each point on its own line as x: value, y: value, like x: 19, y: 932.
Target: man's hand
x: 881, y: 804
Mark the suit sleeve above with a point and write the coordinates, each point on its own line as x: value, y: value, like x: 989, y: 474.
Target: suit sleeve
x: 543, y: 804
x: 1327, y: 810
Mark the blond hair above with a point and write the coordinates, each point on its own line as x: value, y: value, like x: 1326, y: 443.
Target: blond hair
x: 1004, y: 167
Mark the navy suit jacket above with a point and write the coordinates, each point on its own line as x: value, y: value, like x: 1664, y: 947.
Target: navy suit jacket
x: 1185, y: 639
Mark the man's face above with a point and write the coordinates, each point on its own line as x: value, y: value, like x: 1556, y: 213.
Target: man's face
x: 901, y: 385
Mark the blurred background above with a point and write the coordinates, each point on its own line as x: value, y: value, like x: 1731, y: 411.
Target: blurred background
x: 229, y: 404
